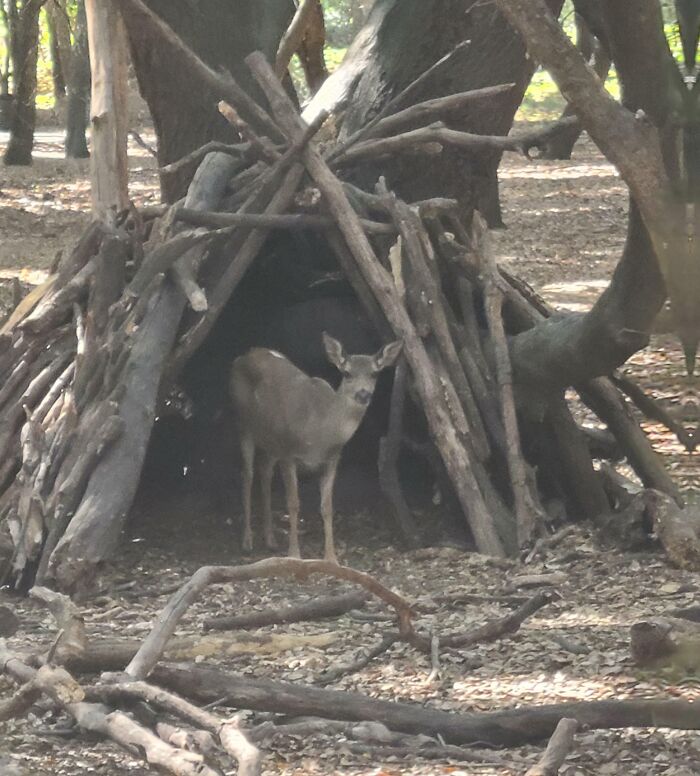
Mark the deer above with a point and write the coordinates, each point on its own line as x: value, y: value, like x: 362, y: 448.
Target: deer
x: 298, y: 421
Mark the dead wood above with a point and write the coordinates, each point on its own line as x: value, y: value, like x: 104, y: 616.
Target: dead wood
x: 311, y: 51
x: 553, y: 578
x: 491, y: 630
x: 375, y: 736
x: 315, y: 609
x: 389, y: 449
x: 284, y: 221
x: 260, y: 146
x: 155, y: 642
x: 528, y: 512
x: 293, y: 37
x: 361, y: 661
x: 136, y: 362
x: 21, y: 701
x: 347, y: 79
x: 231, y: 737
x: 600, y: 395
x: 422, y: 752
x: 653, y: 410
x: 666, y: 646
x: 428, y: 295
x: 115, y: 654
x: 428, y: 139
x: 452, y: 449
x: 194, y: 157
x: 72, y: 639
x: 430, y: 110
x: 678, y: 530
x: 59, y: 685
x: 558, y: 748
x: 501, y: 728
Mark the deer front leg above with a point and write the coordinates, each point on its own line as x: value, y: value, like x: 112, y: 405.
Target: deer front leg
x: 291, y: 487
x: 248, y: 470
x: 267, y: 470
x: 326, y: 487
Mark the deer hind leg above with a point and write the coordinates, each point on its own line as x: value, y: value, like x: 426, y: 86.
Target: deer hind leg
x: 291, y: 486
x: 326, y: 487
x: 267, y: 470
x: 248, y: 471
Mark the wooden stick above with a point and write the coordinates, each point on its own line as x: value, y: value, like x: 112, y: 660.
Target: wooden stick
x: 557, y: 749
x: 116, y: 725
x: 654, y: 411
x: 416, y: 140
x: 528, y: 514
x: 292, y: 38
x: 389, y: 449
x: 232, y: 738
x: 315, y: 609
x: 238, y: 149
x: 291, y: 221
x: 430, y: 110
x: 266, y: 151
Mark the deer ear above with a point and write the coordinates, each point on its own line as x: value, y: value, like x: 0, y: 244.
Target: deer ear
x: 334, y: 351
x: 387, y: 355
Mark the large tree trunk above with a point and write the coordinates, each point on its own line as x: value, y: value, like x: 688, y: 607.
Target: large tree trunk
x: 399, y: 42
x: 78, y: 89
x: 25, y: 51
x: 222, y: 33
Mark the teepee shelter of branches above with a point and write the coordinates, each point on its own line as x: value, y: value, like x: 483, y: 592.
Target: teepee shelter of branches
x: 88, y: 356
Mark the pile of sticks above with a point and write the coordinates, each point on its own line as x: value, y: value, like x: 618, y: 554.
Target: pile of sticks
x: 88, y: 354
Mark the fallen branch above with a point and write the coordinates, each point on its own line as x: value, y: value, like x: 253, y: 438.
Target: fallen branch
x: 166, y: 622
x: 653, y: 410
x: 59, y: 685
x: 333, y: 674
x: 232, y: 739
x: 511, y: 727
x: 557, y: 749
x: 315, y: 609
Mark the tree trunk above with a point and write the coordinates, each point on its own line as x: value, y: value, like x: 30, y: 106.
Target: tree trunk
x: 25, y: 51
x: 58, y: 55
x: 561, y: 144
x: 399, y: 42
x: 108, y: 111
x: 78, y: 88
x: 222, y: 33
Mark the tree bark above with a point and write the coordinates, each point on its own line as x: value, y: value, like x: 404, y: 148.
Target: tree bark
x: 78, y: 89
x: 94, y: 530
x: 222, y: 33
x: 512, y: 727
x: 108, y: 57
x: 400, y: 40
x: 25, y: 47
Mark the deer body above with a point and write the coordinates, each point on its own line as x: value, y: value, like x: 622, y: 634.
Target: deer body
x: 296, y: 420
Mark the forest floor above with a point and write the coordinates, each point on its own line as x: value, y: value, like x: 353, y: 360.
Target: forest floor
x: 566, y: 224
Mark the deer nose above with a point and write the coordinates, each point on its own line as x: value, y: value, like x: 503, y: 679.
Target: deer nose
x: 363, y: 396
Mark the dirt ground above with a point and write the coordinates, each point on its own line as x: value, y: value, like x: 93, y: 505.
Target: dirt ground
x: 565, y: 231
